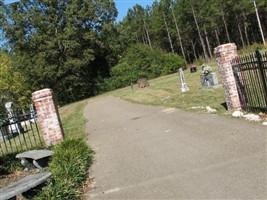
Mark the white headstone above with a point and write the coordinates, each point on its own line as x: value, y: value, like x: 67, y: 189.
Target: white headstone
x: 14, y: 127
x: 183, y: 85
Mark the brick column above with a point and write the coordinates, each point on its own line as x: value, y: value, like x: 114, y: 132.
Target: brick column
x: 48, y: 116
x: 224, y: 55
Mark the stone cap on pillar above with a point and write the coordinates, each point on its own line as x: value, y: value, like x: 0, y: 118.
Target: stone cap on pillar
x: 224, y: 48
x: 42, y: 93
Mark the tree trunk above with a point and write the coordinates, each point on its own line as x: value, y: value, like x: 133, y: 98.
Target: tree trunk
x: 188, y: 57
x: 241, y: 35
x: 144, y: 39
x: 200, y: 37
x: 246, y: 34
x: 137, y: 38
x: 226, y: 29
x: 194, y: 50
x: 147, y: 34
x: 178, y: 34
x: 217, y: 37
x: 259, y: 23
x: 208, y: 42
x: 246, y: 29
x: 169, y: 37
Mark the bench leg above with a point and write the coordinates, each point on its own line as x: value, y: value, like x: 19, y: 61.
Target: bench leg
x: 36, y: 164
x: 27, y: 165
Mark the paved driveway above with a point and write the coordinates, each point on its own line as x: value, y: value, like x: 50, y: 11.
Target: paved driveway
x: 145, y: 152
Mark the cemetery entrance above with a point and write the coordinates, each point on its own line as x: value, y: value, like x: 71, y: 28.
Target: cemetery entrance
x: 250, y: 72
x: 19, y: 130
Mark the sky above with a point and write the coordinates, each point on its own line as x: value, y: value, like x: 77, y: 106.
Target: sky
x: 122, y: 5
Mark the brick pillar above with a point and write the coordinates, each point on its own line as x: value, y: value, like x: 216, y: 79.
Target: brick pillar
x: 48, y: 116
x: 224, y: 55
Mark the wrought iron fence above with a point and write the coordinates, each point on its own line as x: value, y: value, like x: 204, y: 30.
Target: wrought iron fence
x: 19, y: 131
x: 250, y: 72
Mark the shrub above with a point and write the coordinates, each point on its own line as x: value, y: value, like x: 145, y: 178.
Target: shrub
x: 141, y: 61
x: 8, y: 164
x: 70, y: 164
x: 171, y: 63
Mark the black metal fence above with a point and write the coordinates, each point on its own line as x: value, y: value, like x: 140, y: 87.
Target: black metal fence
x: 19, y: 131
x: 250, y: 73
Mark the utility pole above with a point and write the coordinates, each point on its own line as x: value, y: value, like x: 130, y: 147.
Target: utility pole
x: 259, y: 22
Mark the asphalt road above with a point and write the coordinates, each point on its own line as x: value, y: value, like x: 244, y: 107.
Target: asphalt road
x: 146, y: 152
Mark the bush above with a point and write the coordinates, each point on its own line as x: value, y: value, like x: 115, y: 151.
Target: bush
x: 141, y: 61
x: 171, y: 63
x: 9, y: 163
x: 70, y: 164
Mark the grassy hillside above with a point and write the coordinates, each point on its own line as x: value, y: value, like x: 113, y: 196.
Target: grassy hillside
x: 165, y: 91
x: 72, y: 119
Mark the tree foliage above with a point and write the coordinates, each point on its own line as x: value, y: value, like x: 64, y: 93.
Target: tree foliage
x: 202, y: 25
x: 61, y: 44
x: 74, y: 46
x: 141, y: 61
x: 13, y: 86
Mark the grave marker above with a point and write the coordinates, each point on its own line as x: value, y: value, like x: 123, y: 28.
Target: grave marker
x: 183, y: 85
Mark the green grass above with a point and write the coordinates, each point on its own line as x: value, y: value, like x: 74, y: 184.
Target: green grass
x: 165, y: 91
x: 72, y: 119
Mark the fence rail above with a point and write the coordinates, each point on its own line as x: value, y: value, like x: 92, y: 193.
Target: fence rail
x: 19, y: 132
x: 250, y: 72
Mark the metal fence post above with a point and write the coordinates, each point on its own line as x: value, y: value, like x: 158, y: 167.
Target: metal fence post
x: 262, y: 73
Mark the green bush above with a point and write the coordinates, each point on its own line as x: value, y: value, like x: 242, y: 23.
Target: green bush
x: 70, y: 164
x: 9, y: 163
x: 171, y: 63
x: 141, y: 61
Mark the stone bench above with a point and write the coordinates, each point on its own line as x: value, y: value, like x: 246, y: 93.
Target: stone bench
x: 37, y: 158
x: 23, y: 185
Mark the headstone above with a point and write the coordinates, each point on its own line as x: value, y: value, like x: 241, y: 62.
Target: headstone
x: 208, y: 80
x: 193, y: 68
x: 15, y: 126
x: 183, y: 85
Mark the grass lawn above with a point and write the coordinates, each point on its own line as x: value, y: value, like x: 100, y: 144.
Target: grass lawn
x: 165, y: 91
x: 72, y: 119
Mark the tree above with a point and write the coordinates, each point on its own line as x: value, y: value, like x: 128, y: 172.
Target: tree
x: 13, y: 86
x: 178, y: 33
x: 2, y: 20
x: 60, y: 44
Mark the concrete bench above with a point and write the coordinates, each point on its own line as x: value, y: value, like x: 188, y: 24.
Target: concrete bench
x: 23, y: 185
x: 37, y: 158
